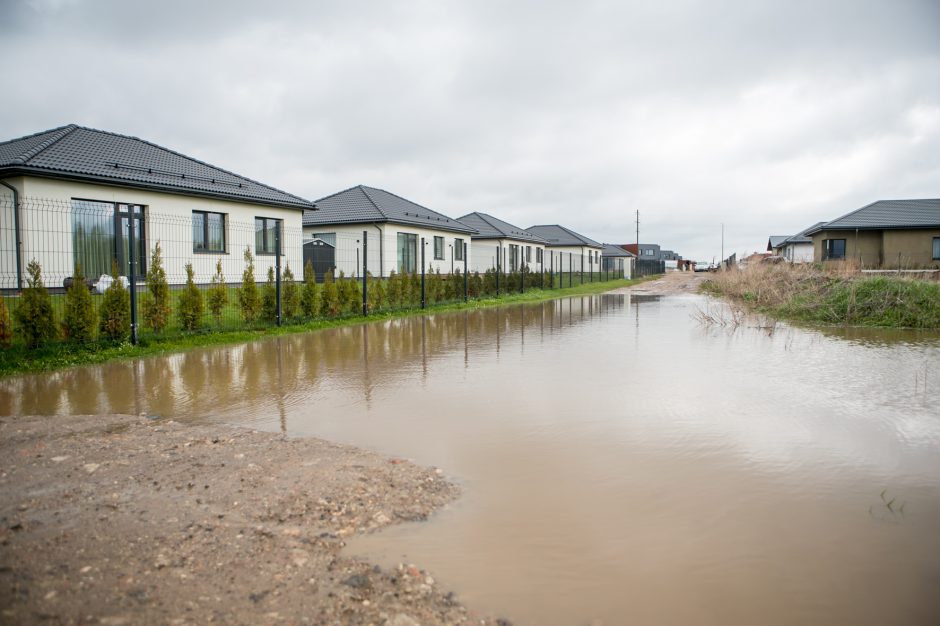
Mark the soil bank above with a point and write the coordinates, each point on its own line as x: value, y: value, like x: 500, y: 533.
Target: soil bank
x: 123, y: 520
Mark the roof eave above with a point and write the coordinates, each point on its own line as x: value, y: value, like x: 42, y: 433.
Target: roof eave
x: 20, y: 170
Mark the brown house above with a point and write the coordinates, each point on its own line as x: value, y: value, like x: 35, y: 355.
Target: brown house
x: 883, y: 234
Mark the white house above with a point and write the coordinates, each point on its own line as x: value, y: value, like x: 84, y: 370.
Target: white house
x: 799, y: 247
x: 515, y: 246
x: 568, y: 250
x: 388, y: 231
x: 617, y: 261
x: 77, y: 195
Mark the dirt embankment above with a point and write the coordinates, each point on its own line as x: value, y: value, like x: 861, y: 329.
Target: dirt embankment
x: 119, y: 520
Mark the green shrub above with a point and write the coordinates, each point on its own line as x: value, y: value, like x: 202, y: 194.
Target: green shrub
x: 34, y: 315
x: 269, y: 298
x: 217, y: 298
x: 394, y: 290
x: 350, y: 295
x: 115, y: 311
x: 249, y: 300
x: 378, y: 293
x: 6, y: 324
x: 155, y: 307
x: 310, y: 297
x: 414, y: 291
x: 488, y: 287
x: 290, y: 295
x: 190, y: 306
x: 78, y: 322
x: 331, y: 302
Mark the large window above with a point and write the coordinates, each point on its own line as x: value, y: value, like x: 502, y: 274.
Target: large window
x: 834, y: 248
x: 407, y: 253
x: 936, y: 248
x: 458, y: 249
x: 528, y: 254
x: 538, y: 255
x: 267, y: 232
x: 439, y: 248
x: 101, y: 234
x: 513, y: 257
x: 208, y: 231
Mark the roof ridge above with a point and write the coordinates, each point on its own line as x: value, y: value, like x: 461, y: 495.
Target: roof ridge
x: 372, y: 200
x: 409, y: 201
x: 59, y: 133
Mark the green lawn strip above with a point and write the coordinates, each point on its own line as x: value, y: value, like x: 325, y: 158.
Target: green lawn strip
x: 19, y: 360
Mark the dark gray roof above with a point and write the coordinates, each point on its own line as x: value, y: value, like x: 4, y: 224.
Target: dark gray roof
x: 776, y: 241
x: 79, y: 153
x: 489, y: 227
x: 887, y: 214
x: 614, y: 250
x: 556, y: 235
x: 801, y: 237
x: 367, y: 205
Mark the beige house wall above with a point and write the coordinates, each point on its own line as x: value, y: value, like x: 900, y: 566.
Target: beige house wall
x: 883, y: 248
x: 46, y: 228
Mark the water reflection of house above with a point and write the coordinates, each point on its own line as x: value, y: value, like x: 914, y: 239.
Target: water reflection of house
x: 76, y: 195
x: 515, y: 246
x: 392, y: 226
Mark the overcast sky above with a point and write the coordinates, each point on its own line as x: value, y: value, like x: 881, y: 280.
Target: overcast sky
x: 764, y: 116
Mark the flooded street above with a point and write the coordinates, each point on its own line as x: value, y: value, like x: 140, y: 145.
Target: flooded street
x: 621, y: 463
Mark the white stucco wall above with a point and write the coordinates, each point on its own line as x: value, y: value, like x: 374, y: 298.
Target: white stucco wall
x: 485, y: 250
x: 577, y: 253
x: 383, y: 247
x: 798, y: 252
x: 46, y: 227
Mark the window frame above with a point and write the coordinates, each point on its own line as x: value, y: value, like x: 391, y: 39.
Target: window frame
x: 411, y: 244
x: 134, y: 214
x: 458, y: 249
x: 936, y: 249
x: 438, y: 248
x: 278, y: 227
x: 827, y: 250
x: 205, y: 233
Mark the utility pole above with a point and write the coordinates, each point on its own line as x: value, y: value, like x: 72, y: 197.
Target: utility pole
x: 637, y: 233
x: 722, y: 243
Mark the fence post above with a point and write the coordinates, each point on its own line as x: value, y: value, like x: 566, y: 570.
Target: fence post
x: 570, y: 268
x: 132, y: 244
x: 423, y: 299
x: 365, y: 272
x: 465, y: 284
x: 551, y: 268
x: 277, y: 273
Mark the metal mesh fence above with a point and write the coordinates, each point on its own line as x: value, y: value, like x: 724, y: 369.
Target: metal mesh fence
x: 203, y: 271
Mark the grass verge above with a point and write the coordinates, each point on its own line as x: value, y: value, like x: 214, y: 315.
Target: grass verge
x: 835, y: 297
x: 18, y: 360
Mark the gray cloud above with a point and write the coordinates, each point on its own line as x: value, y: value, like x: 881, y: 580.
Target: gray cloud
x: 765, y: 116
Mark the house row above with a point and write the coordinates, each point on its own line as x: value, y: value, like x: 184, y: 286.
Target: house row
x: 75, y: 195
x: 883, y: 234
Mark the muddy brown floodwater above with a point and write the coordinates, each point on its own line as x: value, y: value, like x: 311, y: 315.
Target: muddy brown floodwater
x: 620, y: 463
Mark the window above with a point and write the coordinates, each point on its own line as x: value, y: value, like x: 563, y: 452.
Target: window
x: 329, y: 238
x: 267, y: 230
x: 528, y: 254
x: 649, y: 252
x: 834, y: 248
x: 101, y: 234
x: 538, y: 255
x: 458, y: 249
x: 407, y: 253
x: 208, y: 232
x: 439, y: 248
x: 513, y: 257
x: 936, y: 248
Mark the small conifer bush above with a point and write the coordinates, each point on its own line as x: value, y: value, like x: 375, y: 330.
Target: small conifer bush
x: 155, y: 307
x: 190, y: 306
x: 115, y: 311
x: 217, y: 298
x: 310, y: 296
x: 6, y: 324
x: 249, y: 300
x: 331, y: 302
x: 290, y: 295
x: 78, y: 322
x: 269, y: 298
x: 34, y: 315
